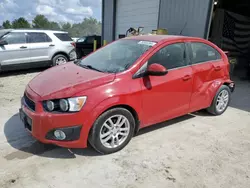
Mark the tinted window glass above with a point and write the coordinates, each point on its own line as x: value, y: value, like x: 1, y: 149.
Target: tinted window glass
x: 203, y: 53
x: 15, y: 38
x: 38, y: 37
x: 171, y: 56
x: 90, y: 40
x: 63, y: 36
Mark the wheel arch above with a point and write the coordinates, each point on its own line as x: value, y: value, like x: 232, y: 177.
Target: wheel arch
x: 216, y: 86
x: 60, y: 53
x: 97, y: 112
x: 230, y: 84
x: 131, y: 110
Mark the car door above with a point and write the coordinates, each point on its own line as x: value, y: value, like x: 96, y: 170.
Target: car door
x: 39, y: 44
x: 15, y: 51
x: 205, y: 60
x: 168, y: 96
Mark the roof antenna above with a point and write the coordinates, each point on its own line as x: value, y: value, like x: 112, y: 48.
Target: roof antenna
x: 183, y: 28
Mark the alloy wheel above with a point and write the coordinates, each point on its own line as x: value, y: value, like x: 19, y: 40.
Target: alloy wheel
x: 60, y: 61
x: 114, y: 131
x: 222, y: 101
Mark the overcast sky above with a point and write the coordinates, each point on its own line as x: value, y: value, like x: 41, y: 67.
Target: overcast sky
x: 54, y: 10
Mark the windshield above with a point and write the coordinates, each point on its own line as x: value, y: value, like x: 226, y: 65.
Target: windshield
x: 3, y: 33
x: 116, y: 57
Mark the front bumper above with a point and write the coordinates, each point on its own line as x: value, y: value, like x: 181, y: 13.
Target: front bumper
x: 72, y: 133
x: 42, y: 125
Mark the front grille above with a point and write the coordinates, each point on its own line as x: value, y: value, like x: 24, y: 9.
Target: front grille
x: 30, y: 104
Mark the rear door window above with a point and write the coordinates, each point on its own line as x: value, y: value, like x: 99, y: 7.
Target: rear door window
x: 63, y: 37
x: 38, y: 37
x: 203, y: 53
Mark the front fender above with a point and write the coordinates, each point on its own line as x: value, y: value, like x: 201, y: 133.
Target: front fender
x: 105, y: 105
x: 113, y: 102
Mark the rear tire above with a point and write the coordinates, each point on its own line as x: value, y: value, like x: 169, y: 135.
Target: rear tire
x: 59, y: 59
x: 110, y: 134
x: 221, y: 101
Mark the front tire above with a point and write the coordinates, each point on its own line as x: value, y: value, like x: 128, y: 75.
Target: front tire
x: 221, y: 101
x: 112, y: 131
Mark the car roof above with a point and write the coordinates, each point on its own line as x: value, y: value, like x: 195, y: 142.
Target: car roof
x: 37, y: 30
x: 6, y: 30
x: 158, y: 38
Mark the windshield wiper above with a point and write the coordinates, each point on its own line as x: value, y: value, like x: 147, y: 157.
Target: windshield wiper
x: 90, y: 67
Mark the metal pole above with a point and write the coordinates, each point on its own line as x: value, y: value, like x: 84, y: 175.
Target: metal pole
x: 95, y: 45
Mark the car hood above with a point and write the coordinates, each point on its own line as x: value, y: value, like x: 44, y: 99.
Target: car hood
x: 66, y: 80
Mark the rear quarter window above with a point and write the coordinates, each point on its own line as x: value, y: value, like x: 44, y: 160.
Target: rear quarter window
x: 63, y: 36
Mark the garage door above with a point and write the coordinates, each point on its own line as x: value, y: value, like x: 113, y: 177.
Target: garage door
x: 136, y: 13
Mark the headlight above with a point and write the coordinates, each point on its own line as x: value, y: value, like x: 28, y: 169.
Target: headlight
x: 76, y: 104
x: 65, y: 105
x: 50, y: 105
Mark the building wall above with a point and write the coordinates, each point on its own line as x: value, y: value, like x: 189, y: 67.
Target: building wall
x: 108, y: 19
x: 193, y: 16
x: 136, y: 13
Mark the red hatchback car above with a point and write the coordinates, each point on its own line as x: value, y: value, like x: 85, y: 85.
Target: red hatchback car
x: 132, y: 83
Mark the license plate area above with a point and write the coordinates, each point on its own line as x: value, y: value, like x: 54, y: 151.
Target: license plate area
x: 27, y: 121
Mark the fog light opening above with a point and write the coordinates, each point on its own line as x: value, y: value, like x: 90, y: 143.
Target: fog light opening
x: 59, y: 135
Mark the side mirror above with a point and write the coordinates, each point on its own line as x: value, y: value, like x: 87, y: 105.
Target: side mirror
x: 3, y: 42
x: 156, y: 69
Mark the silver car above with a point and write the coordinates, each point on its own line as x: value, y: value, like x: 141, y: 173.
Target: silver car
x: 20, y: 49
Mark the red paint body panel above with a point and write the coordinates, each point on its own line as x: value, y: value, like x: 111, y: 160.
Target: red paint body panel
x: 207, y: 79
x: 154, y: 98
x: 156, y: 68
x: 202, y: 81
x: 166, y: 97
x: 67, y: 80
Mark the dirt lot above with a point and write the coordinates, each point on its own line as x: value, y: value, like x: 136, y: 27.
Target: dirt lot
x: 196, y: 150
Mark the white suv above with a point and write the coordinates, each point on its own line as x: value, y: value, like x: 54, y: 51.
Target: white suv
x: 21, y: 49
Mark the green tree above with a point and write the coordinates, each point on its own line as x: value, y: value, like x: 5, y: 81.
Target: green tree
x: 66, y: 26
x: 54, y: 26
x: 20, y: 23
x: 89, y: 26
x: 40, y: 21
x: 7, y: 24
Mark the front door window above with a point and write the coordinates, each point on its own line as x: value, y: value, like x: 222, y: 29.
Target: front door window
x: 15, y: 38
x: 171, y: 56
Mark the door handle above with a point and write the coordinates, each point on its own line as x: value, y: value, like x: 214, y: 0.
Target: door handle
x: 217, y: 68
x: 23, y: 47
x: 187, y: 77
x: 51, y: 45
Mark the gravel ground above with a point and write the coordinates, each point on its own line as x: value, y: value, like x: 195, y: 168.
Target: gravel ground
x: 196, y: 150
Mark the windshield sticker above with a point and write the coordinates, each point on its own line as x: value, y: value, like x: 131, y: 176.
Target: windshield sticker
x: 148, y: 43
